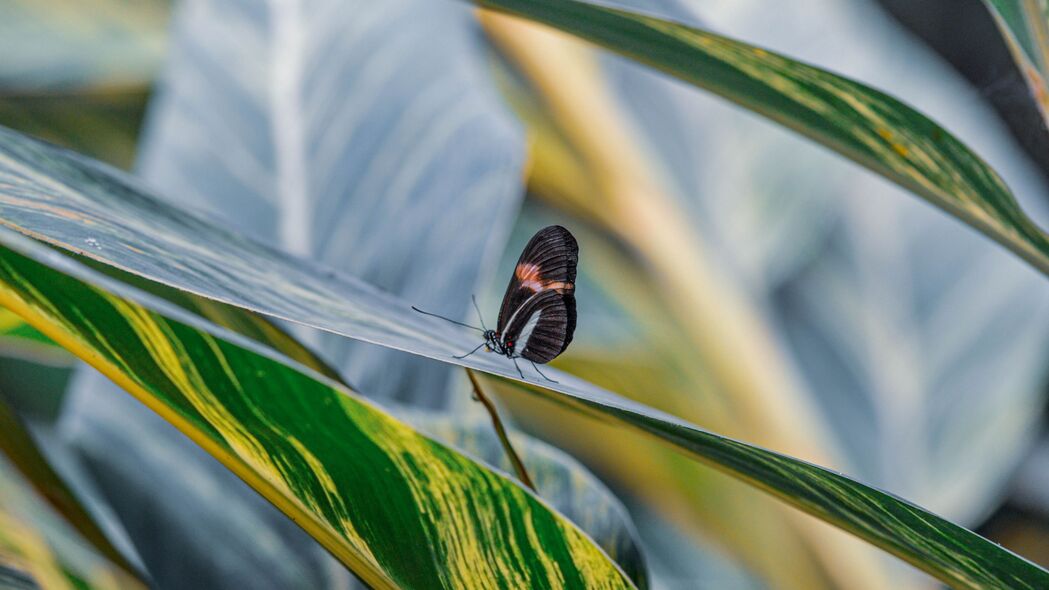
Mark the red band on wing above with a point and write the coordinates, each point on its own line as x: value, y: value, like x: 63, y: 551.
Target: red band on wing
x: 529, y: 276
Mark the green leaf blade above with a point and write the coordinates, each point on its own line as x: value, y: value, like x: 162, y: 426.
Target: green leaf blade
x: 80, y: 206
x: 398, y: 508
x: 863, y: 124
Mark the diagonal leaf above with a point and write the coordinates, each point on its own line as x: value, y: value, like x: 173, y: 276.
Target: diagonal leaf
x: 162, y: 487
x: 857, y: 121
x: 22, y: 452
x: 86, y: 207
x: 397, y: 508
x: 559, y: 479
x: 164, y: 494
x: 1025, y: 26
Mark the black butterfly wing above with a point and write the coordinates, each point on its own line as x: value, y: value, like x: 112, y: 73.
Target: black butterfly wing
x: 547, y: 267
x: 542, y: 328
x: 547, y: 262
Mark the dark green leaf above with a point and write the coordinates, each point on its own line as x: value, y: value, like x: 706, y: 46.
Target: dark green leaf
x: 855, y: 120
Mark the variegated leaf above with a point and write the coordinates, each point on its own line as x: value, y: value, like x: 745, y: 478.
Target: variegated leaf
x: 859, y: 122
x: 344, y: 470
x: 79, y: 205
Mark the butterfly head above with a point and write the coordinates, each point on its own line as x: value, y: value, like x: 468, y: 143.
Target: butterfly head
x: 492, y: 342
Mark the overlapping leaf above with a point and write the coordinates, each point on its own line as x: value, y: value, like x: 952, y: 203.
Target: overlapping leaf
x: 23, y: 454
x: 559, y: 479
x: 873, y: 314
x: 82, y: 206
x: 859, y: 122
x: 344, y: 470
x: 1025, y: 26
x: 39, y: 550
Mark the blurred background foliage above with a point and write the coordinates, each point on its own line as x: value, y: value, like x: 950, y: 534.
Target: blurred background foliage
x: 823, y: 312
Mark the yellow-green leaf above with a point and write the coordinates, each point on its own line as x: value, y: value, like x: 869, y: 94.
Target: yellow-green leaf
x: 399, y: 509
x: 859, y: 122
x: 84, y: 207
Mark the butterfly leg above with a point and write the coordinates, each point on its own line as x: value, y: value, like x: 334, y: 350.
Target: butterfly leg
x: 469, y: 353
x: 518, y: 367
x: 536, y: 367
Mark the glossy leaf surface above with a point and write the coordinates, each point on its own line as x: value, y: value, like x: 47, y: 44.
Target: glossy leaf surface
x: 78, y: 205
x: 345, y: 471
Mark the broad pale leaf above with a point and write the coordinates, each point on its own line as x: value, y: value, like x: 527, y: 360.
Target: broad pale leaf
x: 396, y: 507
x: 363, y: 135
x: 83, y: 206
x: 857, y: 121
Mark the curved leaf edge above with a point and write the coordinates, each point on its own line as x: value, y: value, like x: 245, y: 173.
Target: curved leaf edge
x: 631, y: 34
x: 757, y: 466
x: 338, y: 547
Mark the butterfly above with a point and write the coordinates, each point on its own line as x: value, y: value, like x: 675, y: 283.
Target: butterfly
x: 538, y: 316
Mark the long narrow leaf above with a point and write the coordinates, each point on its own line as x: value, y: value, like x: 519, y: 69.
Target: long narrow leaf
x: 83, y: 206
x: 855, y: 120
x: 397, y: 508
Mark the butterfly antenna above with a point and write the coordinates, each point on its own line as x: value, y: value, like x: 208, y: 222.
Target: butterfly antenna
x: 448, y: 319
x: 469, y: 353
x: 478, y: 310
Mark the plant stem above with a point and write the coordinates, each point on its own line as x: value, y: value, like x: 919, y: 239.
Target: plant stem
x: 500, y: 430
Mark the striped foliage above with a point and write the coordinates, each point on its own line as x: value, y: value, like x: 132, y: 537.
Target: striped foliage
x: 78, y: 205
x: 399, y: 509
x: 855, y: 120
